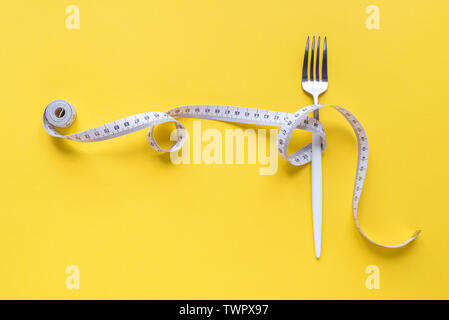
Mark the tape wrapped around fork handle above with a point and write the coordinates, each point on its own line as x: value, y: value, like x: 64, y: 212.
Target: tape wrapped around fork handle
x: 60, y: 113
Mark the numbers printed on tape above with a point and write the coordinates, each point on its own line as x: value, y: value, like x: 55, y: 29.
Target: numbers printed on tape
x: 60, y: 113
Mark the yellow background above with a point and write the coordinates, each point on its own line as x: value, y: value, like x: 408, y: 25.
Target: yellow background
x: 140, y: 227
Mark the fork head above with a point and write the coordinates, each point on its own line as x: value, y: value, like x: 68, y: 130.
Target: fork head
x: 311, y: 82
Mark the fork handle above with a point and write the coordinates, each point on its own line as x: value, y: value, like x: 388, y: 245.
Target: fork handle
x: 317, y: 193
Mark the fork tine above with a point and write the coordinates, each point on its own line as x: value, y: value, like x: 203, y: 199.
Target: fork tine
x: 324, y: 71
x: 312, y: 56
x: 305, y: 63
x: 317, y: 73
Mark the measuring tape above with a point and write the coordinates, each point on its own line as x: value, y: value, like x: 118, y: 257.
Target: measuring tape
x: 60, y: 113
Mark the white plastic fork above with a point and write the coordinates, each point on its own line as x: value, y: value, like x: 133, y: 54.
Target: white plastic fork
x: 315, y: 86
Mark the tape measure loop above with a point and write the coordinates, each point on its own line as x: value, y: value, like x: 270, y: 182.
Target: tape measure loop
x: 179, y: 138
x: 299, y: 120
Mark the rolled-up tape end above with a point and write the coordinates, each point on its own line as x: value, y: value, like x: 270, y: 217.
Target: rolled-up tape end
x: 60, y: 113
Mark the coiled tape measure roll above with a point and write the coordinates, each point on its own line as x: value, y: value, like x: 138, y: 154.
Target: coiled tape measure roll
x: 60, y: 113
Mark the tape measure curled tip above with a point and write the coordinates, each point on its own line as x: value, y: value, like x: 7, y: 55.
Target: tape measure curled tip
x: 60, y: 113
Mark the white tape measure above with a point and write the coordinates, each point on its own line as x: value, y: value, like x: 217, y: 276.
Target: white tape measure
x: 60, y: 113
